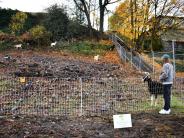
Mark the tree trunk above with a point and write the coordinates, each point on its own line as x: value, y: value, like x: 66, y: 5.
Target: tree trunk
x: 87, y: 13
x: 88, y: 20
x: 135, y: 21
x: 90, y: 26
x: 102, y: 6
x: 102, y: 10
x: 132, y: 17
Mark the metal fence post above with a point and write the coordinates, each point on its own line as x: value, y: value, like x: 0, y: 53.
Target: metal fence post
x: 174, y: 62
x: 81, y: 102
x: 139, y: 63
x: 153, y: 62
x: 115, y: 39
x: 120, y: 51
x: 125, y: 56
x: 131, y: 58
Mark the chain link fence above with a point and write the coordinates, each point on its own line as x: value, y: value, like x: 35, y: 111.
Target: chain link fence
x: 53, y: 96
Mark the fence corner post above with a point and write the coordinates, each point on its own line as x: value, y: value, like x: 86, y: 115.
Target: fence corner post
x: 174, y: 62
x: 153, y: 62
x: 81, y: 95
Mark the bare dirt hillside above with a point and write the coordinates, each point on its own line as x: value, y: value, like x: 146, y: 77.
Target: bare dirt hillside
x: 64, y: 65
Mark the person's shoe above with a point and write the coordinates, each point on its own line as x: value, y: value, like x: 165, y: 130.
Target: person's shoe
x: 165, y: 112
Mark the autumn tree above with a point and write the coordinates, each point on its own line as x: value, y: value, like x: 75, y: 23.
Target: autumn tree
x: 160, y: 9
x: 127, y: 20
x: 136, y: 18
x: 17, y: 22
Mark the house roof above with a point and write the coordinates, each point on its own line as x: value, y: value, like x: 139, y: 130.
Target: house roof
x: 169, y: 21
x: 177, y: 35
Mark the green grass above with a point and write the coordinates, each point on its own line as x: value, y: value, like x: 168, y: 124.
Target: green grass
x: 179, y: 65
x: 179, y: 60
x: 86, y: 48
x: 177, y: 106
x: 5, y: 46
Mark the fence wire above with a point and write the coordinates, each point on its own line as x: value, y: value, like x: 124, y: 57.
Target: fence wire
x: 154, y: 59
x: 176, y: 59
x: 128, y: 54
x: 53, y: 96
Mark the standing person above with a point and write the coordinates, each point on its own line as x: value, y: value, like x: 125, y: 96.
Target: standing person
x: 166, y: 77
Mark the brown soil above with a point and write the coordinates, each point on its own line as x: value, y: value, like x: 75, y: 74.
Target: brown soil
x: 145, y: 125
x: 67, y: 65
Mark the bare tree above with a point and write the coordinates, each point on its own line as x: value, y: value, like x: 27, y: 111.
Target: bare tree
x: 89, y: 6
x: 103, y: 8
x: 84, y: 6
x: 164, y: 8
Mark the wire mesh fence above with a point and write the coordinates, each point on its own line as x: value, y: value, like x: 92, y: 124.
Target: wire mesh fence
x: 53, y: 96
x: 176, y: 59
x: 151, y: 61
x: 128, y: 54
x: 154, y: 59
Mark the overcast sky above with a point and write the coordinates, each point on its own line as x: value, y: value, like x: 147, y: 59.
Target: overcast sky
x: 30, y: 5
x: 39, y: 5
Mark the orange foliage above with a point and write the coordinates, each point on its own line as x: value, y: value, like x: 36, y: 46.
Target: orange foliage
x: 26, y: 37
x: 121, y: 20
x: 105, y: 42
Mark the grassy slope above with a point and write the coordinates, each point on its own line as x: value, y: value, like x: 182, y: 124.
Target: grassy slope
x: 86, y: 47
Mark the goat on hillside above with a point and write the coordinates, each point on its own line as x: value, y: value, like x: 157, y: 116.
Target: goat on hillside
x: 155, y: 88
x: 18, y: 46
x: 96, y: 58
x: 53, y: 44
x: 7, y: 57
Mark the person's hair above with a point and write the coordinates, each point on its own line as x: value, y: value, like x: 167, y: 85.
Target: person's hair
x: 166, y: 60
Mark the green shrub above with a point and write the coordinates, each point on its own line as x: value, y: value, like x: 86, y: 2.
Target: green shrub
x: 56, y: 21
x: 85, y: 47
x: 40, y: 35
x: 5, y: 46
x: 157, y: 44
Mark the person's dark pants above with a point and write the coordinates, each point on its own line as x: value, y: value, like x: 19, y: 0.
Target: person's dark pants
x: 167, y: 96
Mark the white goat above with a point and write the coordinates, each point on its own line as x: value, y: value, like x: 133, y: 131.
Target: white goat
x: 96, y: 58
x: 53, y: 44
x: 18, y: 46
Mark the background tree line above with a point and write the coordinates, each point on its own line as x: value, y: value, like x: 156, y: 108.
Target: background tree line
x: 6, y: 17
x: 43, y: 28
